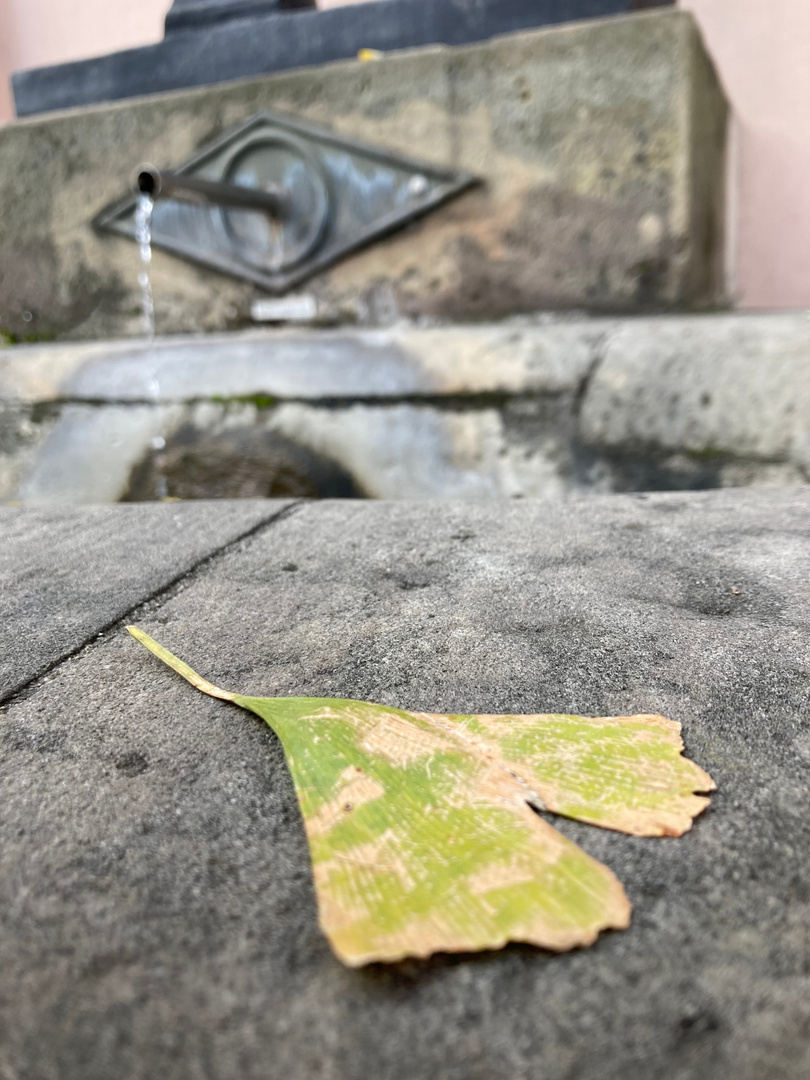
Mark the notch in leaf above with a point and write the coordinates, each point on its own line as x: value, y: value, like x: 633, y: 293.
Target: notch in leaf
x: 420, y: 825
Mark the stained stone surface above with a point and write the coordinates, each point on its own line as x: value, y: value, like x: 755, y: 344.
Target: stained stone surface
x: 156, y: 911
x: 601, y: 147
x: 712, y: 386
x: 514, y: 357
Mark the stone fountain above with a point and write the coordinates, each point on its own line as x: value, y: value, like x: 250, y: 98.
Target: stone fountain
x: 480, y: 268
x: 484, y: 250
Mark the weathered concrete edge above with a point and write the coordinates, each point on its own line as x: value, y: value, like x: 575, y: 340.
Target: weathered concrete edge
x: 730, y: 390
x: 515, y: 357
x: 705, y: 385
x: 152, y: 597
x: 520, y: 356
x: 614, y: 367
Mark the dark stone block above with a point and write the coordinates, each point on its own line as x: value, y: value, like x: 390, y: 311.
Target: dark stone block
x: 193, y: 14
x: 243, y: 47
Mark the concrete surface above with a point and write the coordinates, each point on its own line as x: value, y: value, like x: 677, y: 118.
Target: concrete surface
x: 601, y: 145
x: 65, y: 576
x: 156, y: 911
x: 525, y: 408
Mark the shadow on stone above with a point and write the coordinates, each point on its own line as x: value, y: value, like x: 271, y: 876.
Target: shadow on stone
x: 243, y: 463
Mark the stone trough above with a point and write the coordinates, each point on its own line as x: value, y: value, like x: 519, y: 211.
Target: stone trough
x: 527, y: 408
x: 486, y: 242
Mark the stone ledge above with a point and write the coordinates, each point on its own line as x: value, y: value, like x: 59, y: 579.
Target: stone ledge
x: 508, y: 410
x: 726, y: 384
x: 510, y: 358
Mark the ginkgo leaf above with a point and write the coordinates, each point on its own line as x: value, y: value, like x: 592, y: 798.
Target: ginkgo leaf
x: 420, y: 828
x: 618, y: 772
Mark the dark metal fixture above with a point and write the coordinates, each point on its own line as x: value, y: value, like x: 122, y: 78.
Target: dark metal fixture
x: 168, y: 185
x: 278, y: 200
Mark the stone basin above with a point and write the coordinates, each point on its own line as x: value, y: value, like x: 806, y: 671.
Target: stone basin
x: 526, y: 408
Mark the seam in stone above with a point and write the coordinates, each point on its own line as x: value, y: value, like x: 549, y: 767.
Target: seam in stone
x: 600, y: 350
x: 160, y: 595
x: 483, y: 399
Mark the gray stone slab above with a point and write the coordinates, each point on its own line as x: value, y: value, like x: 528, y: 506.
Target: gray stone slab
x: 67, y: 575
x: 525, y: 408
x: 270, y: 42
x: 157, y: 912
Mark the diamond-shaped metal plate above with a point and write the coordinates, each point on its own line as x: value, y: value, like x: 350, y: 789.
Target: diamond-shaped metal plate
x: 341, y: 195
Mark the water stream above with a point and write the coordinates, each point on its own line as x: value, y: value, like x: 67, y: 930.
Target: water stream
x: 143, y: 233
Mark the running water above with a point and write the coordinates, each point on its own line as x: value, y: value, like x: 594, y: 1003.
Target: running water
x: 143, y: 234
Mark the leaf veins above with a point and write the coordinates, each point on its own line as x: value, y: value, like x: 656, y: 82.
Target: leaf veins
x: 420, y: 827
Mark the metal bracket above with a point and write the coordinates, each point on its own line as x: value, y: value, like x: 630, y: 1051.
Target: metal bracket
x: 340, y: 195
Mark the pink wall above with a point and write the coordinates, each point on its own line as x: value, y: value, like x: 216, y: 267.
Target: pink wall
x: 762, y: 51
x: 37, y: 32
x: 6, y: 109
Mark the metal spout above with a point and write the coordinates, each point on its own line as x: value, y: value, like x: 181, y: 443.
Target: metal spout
x: 168, y: 185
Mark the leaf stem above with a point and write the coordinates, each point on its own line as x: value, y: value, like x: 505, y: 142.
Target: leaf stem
x: 182, y: 669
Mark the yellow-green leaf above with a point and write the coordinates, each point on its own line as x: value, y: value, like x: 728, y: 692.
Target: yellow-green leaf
x: 421, y: 834
x: 619, y: 772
